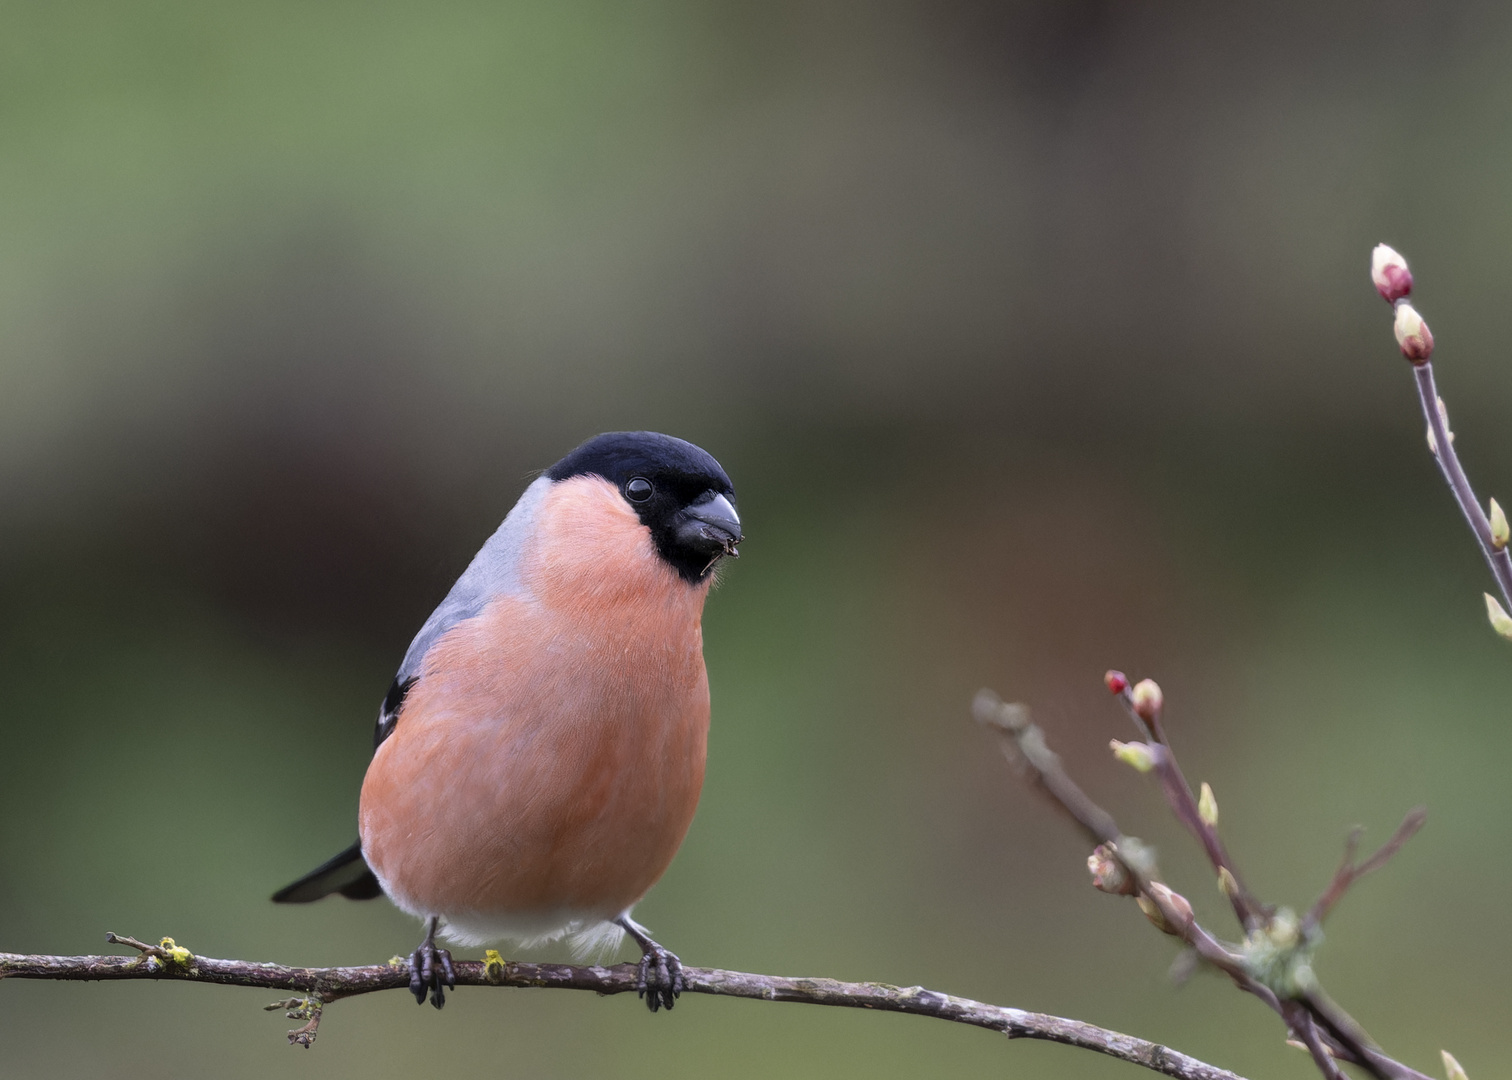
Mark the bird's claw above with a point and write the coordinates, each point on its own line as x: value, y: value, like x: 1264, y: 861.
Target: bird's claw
x: 430, y: 969
x: 660, y: 979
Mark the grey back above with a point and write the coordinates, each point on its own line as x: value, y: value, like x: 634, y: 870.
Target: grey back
x: 494, y: 571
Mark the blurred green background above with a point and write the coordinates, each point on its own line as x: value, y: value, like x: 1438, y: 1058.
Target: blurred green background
x: 1038, y: 340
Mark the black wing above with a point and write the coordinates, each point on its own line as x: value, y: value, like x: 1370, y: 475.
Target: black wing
x: 388, y: 712
x: 347, y: 874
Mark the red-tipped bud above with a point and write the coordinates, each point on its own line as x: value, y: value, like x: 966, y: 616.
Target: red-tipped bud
x: 1389, y: 272
x: 1148, y: 700
x: 1116, y: 681
x: 1412, y: 334
x: 1108, y: 874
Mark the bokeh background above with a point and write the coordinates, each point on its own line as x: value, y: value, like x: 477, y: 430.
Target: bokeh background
x: 1038, y: 339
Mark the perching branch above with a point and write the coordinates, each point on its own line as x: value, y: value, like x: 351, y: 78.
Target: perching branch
x: 320, y: 987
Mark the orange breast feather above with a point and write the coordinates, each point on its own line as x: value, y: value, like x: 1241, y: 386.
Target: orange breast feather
x: 551, y: 754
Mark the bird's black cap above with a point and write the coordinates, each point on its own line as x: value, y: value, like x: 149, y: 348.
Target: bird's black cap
x: 679, y: 491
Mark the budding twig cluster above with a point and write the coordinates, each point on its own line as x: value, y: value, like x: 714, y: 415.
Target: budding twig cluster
x: 1393, y: 280
x: 1274, y: 960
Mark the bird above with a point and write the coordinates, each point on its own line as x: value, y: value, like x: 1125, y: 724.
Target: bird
x: 539, y: 756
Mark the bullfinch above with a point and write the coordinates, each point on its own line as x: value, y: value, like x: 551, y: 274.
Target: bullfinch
x: 539, y: 756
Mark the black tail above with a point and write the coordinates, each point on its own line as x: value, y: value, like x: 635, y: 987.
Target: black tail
x: 347, y: 874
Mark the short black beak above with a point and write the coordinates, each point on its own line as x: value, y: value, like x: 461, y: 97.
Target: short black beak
x: 711, y: 527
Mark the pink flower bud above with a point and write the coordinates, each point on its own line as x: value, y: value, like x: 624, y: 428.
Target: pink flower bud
x: 1389, y: 272
x: 1148, y: 700
x: 1177, y: 904
x: 1412, y: 334
x: 1117, y: 682
x: 1108, y: 874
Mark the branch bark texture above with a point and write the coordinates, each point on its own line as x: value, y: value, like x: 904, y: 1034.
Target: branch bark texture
x: 322, y: 986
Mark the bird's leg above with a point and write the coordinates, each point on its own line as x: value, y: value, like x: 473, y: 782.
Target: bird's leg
x: 430, y: 967
x: 661, y: 978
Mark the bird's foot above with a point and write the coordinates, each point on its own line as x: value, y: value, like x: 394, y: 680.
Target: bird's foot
x: 429, y: 969
x: 659, y: 980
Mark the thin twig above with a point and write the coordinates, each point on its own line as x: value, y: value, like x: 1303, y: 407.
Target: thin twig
x: 1500, y: 561
x: 322, y: 986
x: 1351, y: 1042
x: 1183, y: 803
x: 1307, y: 1029
x: 1349, y: 871
x: 1024, y: 742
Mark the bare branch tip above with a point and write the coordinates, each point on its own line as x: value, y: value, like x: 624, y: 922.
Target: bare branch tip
x: 992, y: 711
x: 128, y: 940
x: 1352, y: 842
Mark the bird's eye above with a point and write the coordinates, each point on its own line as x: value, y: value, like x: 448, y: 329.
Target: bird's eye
x: 639, y: 489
